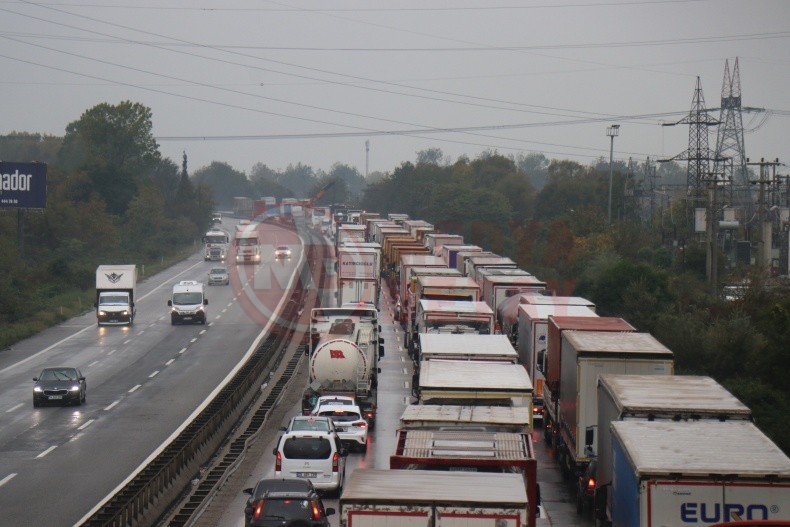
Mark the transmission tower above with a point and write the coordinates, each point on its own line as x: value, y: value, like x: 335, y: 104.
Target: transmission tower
x: 698, y: 154
x: 730, y: 148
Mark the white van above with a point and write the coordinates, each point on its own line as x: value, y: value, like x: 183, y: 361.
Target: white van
x: 188, y: 303
x: 316, y: 456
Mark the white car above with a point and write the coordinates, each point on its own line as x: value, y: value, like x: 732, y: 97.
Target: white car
x: 316, y: 456
x: 351, y: 427
x: 218, y: 276
x: 282, y: 251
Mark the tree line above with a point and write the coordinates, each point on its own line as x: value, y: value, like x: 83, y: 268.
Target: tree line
x: 113, y: 198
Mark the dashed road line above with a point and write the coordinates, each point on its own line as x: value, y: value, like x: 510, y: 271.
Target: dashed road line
x: 111, y: 352
x: 13, y: 408
x: 171, y: 361
x: 224, y: 310
x: 217, y: 317
x: 153, y: 374
x: 111, y: 405
x: 86, y: 424
x: 135, y: 388
x: 140, y: 332
x: 202, y: 331
x: 94, y: 363
x: 405, y: 372
x: 127, y: 341
x: 47, y: 451
x: 7, y: 479
x: 182, y: 351
x: 193, y: 340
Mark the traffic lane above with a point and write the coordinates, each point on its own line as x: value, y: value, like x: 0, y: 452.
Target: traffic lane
x: 136, y: 434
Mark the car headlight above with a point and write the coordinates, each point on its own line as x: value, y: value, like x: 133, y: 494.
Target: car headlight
x: 124, y: 313
x: 75, y: 388
x: 37, y: 389
x: 102, y: 313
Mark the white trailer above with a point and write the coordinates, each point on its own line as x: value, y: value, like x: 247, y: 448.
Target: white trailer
x: 514, y: 419
x: 469, y: 347
x: 678, y: 398
x: 359, y: 274
x: 584, y: 356
x: 433, y: 498
x: 698, y: 473
x: 435, y: 241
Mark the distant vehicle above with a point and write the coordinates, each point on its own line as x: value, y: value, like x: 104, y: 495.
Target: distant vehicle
x: 285, y: 501
x: 317, y: 456
x: 351, y: 428
x: 216, y: 217
x: 188, y: 303
x: 310, y: 423
x: 218, y: 276
x: 59, y: 385
x: 282, y: 251
x: 215, y: 243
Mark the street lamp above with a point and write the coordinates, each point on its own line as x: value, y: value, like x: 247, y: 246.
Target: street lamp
x: 612, y: 131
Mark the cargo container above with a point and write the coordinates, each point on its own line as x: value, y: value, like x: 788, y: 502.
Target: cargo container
x: 678, y: 398
x: 435, y: 241
x: 473, y: 263
x: 448, y: 316
x: 466, y: 347
x: 450, y: 252
x: 433, y: 498
x: 551, y: 386
x: 407, y: 261
x: 408, y: 298
x: 508, y: 309
x: 532, y: 331
x: 446, y: 417
x: 697, y: 473
x: 585, y: 356
x: 496, y: 288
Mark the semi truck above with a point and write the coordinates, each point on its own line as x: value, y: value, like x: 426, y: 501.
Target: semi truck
x: 245, y: 243
x: 585, y: 356
x: 345, y: 348
x: 432, y: 498
x: 450, y: 253
x: 551, y: 386
x: 467, y: 347
x: 479, y: 454
x: 447, y: 316
x: 215, y: 245
x: 435, y: 241
x: 443, y: 416
x: 508, y: 309
x: 358, y: 274
x: 408, y: 297
x: 116, y: 286
x: 696, y: 473
x: 675, y: 398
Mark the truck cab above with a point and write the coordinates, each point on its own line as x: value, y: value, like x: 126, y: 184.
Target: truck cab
x: 188, y: 303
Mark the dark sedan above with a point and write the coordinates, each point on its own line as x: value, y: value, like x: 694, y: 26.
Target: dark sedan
x: 60, y: 386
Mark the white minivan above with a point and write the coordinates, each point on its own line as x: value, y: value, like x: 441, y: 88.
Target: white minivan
x: 317, y: 456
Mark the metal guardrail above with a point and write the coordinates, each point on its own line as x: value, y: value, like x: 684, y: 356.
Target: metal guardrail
x: 148, y: 495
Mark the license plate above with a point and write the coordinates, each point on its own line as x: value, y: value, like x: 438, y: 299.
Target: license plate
x: 340, y: 429
x: 306, y: 474
x: 54, y: 397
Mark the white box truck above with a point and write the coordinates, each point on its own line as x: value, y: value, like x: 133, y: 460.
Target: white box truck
x: 116, y: 286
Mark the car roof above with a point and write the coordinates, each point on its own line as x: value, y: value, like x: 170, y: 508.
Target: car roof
x: 340, y: 399
x: 339, y: 407
x: 63, y: 368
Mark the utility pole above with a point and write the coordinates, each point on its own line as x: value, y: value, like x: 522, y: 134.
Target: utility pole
x: 612, y: 131
x: 367, y: 157
x: 712, y: 232
x: 764, y: 234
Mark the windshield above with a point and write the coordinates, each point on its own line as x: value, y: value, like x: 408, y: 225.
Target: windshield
x: 246, y: 242
x: 114, y: 299
x: 219, y: 270
x: 316, y: 425
x: 216, y: 238
x: 58, y: 375
x: 307, y: 448
x: 287, y: 509
x: 186, y: 299
x: 341, y: 416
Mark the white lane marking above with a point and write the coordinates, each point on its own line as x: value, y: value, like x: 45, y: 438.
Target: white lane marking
x: 7, y: 479
x: 224, y: 310
x: 193, y: 340
x: 127, y: 341
x: 406, y: 384
x: 171, y: 361
x: 111, y: 405
x: 111, y: 352
x: 182, y: 351
x: 153, y: 374
x: 140, y: 332
x: 135, y: 388
x: 45, y: 452
x: 405, y: 371
x: 403, y: 359
x: 94, y: 363
x: 230, y: 304
x: 201, y: 332
x: 212, y: 322
x: 86, y: 424
x: 13, y: 408
x: 400, y: 348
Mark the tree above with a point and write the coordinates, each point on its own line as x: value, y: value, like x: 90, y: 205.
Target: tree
x: 355, y: 183
x: 536, y: 166
x: 224, y: 182
x: 26, y: 147
x: 430, y: 156
x: 115, y: 146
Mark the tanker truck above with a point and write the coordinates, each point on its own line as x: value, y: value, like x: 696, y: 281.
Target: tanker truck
x: 344, y: 351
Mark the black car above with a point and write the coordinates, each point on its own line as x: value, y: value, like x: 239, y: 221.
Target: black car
x: 278, y: 502
x: 59, y: 385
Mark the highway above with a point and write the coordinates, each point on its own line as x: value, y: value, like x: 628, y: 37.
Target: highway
x: 144, y: 382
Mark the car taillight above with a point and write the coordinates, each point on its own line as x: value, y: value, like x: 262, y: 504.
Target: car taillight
x: 335, y: 462
x: 316, y: 511
x: 361, y: 424
x: 591, y: 485
x: 369, y: 415
x: 278, y: 462
x: 257, y: 509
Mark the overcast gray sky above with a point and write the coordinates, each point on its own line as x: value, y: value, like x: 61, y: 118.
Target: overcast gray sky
x: 281, y: 82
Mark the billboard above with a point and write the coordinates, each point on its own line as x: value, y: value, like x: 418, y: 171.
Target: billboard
x: 23, y: 185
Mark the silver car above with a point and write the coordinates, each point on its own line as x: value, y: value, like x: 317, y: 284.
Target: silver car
x: 218, y: 276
